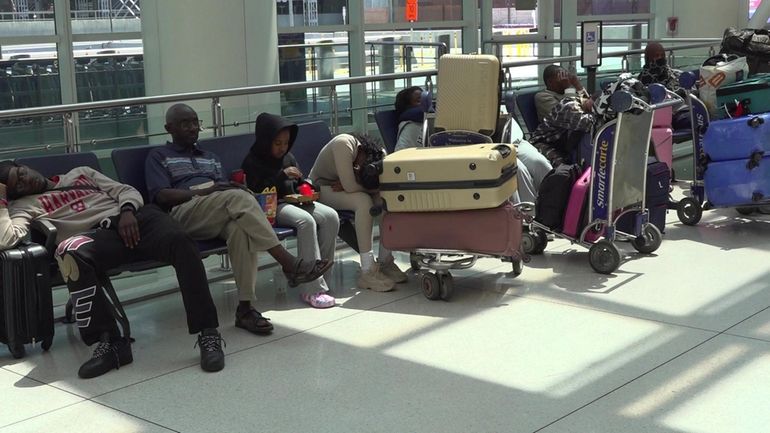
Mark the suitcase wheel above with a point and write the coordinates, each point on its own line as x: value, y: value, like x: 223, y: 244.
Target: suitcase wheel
x: 447, y: 286
x: 17, y: 350
x: 689, y: 211
x: 68, y: 313
x: 414, y: 261
x: 604, y: 257
x: 431, y: 286
x: 517, y: 266
x: 746, y: 210
x: 46, y: 344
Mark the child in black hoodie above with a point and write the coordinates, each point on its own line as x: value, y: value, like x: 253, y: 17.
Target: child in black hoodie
x: 269, y: 164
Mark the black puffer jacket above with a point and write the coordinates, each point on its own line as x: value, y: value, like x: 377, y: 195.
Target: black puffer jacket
x: 261, y: 168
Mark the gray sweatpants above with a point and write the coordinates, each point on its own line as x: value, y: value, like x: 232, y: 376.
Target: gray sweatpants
x: 317, y: 226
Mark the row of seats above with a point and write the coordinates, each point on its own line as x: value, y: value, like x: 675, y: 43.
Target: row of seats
x: 24, y: 85
x: 130, y: 169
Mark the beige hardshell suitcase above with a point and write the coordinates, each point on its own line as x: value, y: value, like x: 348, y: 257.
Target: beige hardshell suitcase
x: 469, y: 93
x: 430, y: 179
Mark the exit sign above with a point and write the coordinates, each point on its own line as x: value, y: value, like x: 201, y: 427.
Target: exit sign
x: 410, y: 13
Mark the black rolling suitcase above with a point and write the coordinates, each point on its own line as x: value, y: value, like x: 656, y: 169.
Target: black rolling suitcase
x: 656, y: 198
x: 26, y: 304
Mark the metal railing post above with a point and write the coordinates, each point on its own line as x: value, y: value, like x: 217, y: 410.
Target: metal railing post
x: 624, y: 64
x: 408, y: 51
x: 217, y: 117
x: 335, y: 110
x: 70, y: 133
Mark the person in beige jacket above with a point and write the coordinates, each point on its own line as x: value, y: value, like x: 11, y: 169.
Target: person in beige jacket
x: 102, y: 224
x: 340, y: 172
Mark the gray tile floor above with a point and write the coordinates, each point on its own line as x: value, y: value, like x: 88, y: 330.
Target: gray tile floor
x: 676, y: 342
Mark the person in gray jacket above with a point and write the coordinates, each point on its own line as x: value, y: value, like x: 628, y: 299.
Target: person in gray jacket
x: 102, y: 224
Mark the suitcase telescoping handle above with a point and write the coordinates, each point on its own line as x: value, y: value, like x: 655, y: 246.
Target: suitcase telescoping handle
x: 504, y: 150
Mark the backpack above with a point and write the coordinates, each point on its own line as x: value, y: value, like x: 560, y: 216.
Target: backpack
x: 553, y: 195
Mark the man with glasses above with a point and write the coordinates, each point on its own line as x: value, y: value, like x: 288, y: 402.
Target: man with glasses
x: 190, y: 183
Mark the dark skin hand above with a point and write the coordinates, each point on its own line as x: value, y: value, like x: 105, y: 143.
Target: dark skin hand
x: 128, y: 228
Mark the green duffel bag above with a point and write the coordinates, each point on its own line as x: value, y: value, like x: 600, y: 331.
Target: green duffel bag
x: 750, y: 96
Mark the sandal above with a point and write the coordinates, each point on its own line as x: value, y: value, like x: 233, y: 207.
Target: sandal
x: 298, y: 277
x: 253, y: 321
x: 319, y: 300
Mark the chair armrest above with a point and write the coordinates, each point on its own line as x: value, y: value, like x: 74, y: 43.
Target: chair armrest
x: 44, y: 233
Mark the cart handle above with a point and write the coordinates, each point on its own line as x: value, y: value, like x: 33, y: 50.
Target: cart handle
x: 623, y: 100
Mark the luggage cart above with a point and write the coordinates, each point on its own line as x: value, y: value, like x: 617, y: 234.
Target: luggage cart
x: 617, y: 185
x: 690, y: 209
x: 439, y: 284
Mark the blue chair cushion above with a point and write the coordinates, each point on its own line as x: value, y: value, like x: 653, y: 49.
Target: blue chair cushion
x: 51, y: 165
x: 284, y: 232
x: 387, y: 123
x: 526, y: 103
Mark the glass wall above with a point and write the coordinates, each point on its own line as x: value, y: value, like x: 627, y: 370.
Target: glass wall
x: 311, y: 13
x: 394, y: 11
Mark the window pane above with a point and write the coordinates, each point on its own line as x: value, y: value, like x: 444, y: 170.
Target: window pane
x: 109, y: 70
x: 311, y: 57
x: 613, y: 7
x: 514, y: 14
x: 393, y: 11
x: 26, y: 18
x: 29, y: 77
x: 299, y: 13
x: 105, y: 16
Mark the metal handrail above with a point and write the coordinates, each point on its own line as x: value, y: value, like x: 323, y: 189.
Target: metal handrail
x: 250, y: 90
x: 68, y: 111
x: 206, y: 94
x: 512, y: 38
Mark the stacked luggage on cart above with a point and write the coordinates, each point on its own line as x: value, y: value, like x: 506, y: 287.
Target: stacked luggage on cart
x: 732, y: 169
x: 617, y: 195
x: 449, y: 205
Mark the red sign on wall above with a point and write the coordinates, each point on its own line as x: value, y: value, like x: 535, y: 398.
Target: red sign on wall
x: 410, y: 13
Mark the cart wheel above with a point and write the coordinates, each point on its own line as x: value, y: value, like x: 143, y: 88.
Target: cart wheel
x: 47, y: 343
x: 17, y: 350
x: 517, y: 266
x: 68, y: 316
x: 447, y: 286
x: 689, y: 211
x: 649, y: 241
x: 431, y: 286
x: 534, y: 243
x: 746, y: 210
x: 604, y: 257
x: 414, y: 261
x: 542, y: 241
x: 529, y: 242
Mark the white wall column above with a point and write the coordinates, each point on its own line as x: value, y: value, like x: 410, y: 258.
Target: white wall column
x: 194, y: 45
x: 470, y: 26
x: 545, y: 29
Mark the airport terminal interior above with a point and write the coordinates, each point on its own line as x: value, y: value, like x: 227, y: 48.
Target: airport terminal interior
x: 674, y: 341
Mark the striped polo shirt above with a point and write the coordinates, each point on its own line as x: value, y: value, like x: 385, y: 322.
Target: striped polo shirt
x: 177, y: 167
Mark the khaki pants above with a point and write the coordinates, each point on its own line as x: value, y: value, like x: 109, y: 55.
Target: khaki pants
x: 235, y: 216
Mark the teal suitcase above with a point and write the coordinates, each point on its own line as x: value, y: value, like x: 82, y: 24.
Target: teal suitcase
x: 752, y: 95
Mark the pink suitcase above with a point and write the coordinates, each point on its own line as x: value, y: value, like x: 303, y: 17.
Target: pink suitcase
x: 661, y: 118
x: 495, y: 231
x: 663, y: 139
x: 576, y: 204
